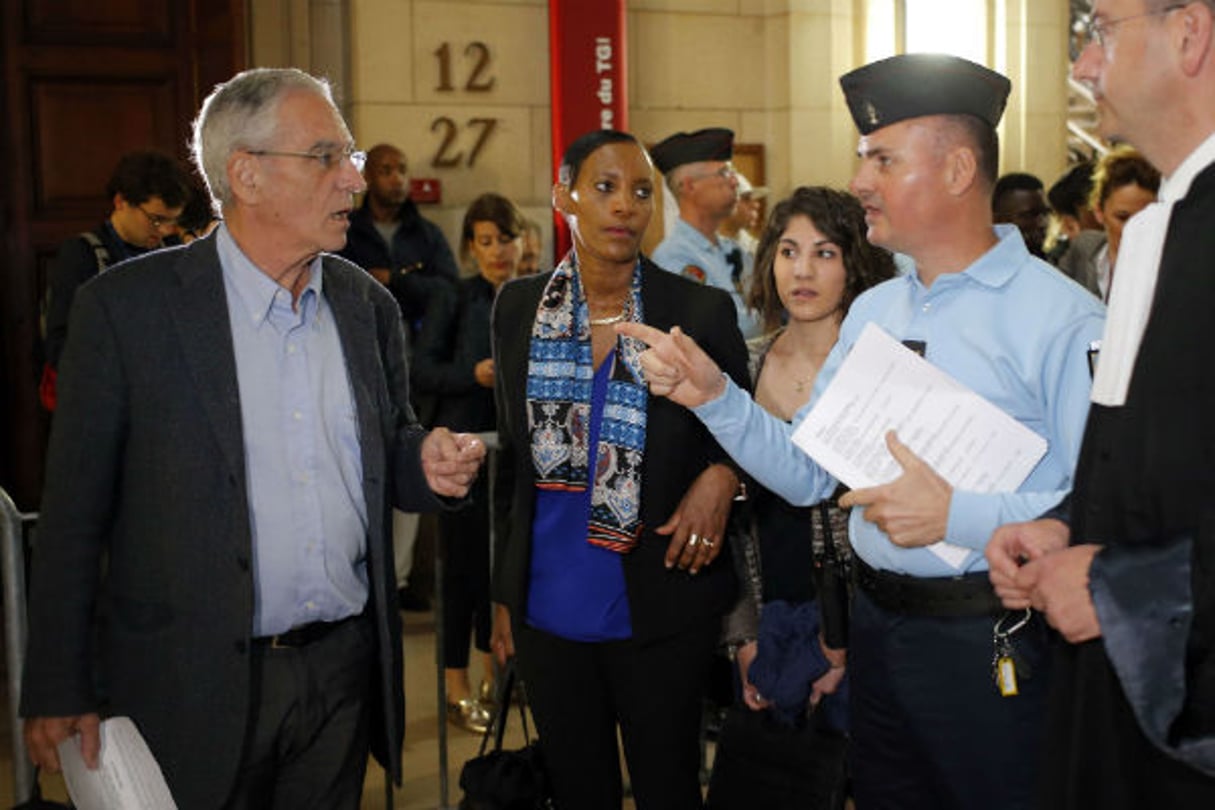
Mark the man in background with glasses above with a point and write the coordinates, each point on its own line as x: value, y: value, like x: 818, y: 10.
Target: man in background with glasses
x: 699, y: 175
x: 148, y: 190
x: 1126, y: 573
x: 234, y: 427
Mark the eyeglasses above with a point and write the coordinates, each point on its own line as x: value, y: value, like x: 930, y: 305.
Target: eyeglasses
x: 725, y: 173
x: 157, y: 221
x: 328, y: 158
x: 1099, y: 30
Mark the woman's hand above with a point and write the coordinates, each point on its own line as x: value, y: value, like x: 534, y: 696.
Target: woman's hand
x: 830, y: 680
x: 698, y: 525
x: 483, y: 371
x: 501, y: 640
x: 751, y: 696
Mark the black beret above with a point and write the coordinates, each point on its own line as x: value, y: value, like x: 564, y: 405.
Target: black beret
x: 915, y: 84
x: 714, y: 143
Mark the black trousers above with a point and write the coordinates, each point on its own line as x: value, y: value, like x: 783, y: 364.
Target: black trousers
x: 464, y: 537
x: 581, y: 693
x: 307, y: 743
x: 929, y: 728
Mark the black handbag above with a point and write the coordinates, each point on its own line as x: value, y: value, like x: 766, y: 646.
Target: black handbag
x: 761, y: 763
x: 505, y: 780
x: 36, y: 802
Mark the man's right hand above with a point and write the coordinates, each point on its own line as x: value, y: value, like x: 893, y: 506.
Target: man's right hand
x: 1014, y: 544
x: 43, y: 735
x: 675, y: 367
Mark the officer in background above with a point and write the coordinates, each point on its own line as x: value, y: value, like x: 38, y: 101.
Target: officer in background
x: 699, y: 174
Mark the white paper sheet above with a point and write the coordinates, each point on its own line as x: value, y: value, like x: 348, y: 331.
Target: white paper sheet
x: 127, y: 777
x: 881, y: 386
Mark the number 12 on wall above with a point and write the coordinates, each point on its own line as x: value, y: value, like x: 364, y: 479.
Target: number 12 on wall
x: 478, y: 80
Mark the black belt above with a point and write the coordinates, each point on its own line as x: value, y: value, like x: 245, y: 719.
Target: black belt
x: 303, y: 635
x: 965, y: 595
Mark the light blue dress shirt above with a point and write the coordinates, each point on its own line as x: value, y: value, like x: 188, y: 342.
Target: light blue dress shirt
x: 1010, y: 327
x: 302, y: 454
x: 685, y: 246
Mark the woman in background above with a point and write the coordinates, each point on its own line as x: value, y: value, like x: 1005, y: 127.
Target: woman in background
x: 1124, y: 183
x: 611, y: 504
x: 813, y: 260
x: 453, y: 361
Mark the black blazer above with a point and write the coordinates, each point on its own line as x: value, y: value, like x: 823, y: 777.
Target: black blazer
x: 454, y: 338
x: 678, y: 448
x: 146, y: 471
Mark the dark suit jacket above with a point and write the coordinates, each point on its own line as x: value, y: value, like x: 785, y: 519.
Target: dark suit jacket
x: 419, y: 257
x: 146, y: 478
x: 1144, y: 481
x: 678, y: 448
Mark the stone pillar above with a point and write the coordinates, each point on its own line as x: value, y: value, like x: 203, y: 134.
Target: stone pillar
x: 1031, y: 49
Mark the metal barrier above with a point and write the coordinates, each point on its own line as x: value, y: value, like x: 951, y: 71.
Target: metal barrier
x: 490, y: 440
x: 13, y: 526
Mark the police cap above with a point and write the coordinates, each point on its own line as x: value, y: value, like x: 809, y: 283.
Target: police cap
x: 915, y: 84
x: 714, y: 143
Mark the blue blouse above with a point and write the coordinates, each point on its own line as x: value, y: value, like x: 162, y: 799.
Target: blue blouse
x: 576, y: 590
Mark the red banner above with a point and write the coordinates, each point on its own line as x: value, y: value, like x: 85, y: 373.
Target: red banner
x: 587, y: 77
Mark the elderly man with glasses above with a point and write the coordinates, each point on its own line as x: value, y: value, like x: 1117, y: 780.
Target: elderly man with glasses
x: 234, y: 427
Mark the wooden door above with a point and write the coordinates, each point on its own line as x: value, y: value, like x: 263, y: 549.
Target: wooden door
x: 84, y: 82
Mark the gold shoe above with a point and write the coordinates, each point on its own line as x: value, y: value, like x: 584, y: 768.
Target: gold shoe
x: 486, y: 692
x: 469, y: 714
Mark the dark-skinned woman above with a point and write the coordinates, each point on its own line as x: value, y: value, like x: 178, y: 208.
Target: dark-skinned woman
x: 611, y: 573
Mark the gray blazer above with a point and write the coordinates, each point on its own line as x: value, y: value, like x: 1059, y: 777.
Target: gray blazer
x: 146, y: 479
x: 1079, y: 261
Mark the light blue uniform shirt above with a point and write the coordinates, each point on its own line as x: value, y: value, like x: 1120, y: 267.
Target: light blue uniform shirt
x: 687, y: 247
x: 1010, y: 327
x: 302, y: 454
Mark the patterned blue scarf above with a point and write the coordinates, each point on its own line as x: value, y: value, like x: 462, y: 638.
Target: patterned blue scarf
x: 560, y: 378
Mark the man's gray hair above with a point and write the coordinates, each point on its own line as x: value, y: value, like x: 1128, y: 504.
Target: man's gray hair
x: 675, y: 178
x: 241, y: 114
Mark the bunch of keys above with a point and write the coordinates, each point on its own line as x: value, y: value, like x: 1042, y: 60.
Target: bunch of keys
x: 1004, y: 661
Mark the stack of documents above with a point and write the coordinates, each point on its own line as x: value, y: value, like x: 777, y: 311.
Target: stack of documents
x: 883, y: 386
x: 127, y: 776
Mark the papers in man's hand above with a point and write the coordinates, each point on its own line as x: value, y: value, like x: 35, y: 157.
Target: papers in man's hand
x: 883, y: 386
x: 127, y: 777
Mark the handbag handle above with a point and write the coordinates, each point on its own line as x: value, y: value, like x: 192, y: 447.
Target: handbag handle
x: 497, y: 726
